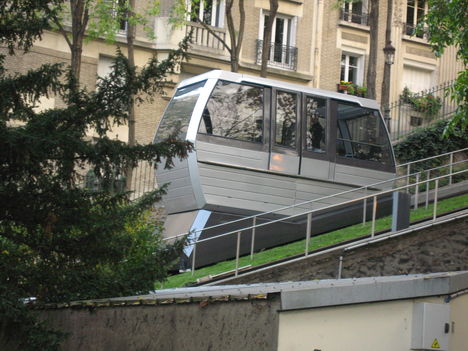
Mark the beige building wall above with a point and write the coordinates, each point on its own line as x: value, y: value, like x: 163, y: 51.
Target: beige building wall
x: 382, y: 326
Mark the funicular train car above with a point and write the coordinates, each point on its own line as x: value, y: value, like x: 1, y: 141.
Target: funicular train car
x: 260, y: 145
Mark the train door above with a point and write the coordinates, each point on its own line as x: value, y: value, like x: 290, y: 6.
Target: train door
x: 315, y: 162
x: 285, y: 139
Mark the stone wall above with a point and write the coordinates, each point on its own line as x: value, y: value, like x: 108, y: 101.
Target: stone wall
x: 441, y: 248
x: 209, y: 326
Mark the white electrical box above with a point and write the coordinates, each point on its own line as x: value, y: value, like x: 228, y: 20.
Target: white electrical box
x: 431, y: 326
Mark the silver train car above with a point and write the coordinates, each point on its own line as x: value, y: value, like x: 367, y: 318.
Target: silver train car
x: 260, y: 145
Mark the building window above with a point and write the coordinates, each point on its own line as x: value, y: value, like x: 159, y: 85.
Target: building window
x: 118, y: 10
x: 210, y: 12
x: 415, y: 12
x: 282, y: 53
x: 351, y: 69
x: 355, y: 12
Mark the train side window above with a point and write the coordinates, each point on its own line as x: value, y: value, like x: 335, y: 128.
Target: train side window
x: 234, y: 111
x: 286, y: 119
x: 316, y: 114
x: 361, y: 135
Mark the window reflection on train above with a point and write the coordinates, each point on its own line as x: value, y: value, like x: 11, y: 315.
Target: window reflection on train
x: 178, y: 112
x: 234, y: 111
x: 361, y: 134
x: 316, y: 112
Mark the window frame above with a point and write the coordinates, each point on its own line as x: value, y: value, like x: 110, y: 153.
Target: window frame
x: 347, y: 13
x: 359, y: 67
x: 217, y: 12
x: 290, y: 44
x: 416, y: 18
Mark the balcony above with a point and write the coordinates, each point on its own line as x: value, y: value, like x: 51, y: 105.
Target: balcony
x: 353, y: 17
x: 281, y: 56
x: 207, y: 39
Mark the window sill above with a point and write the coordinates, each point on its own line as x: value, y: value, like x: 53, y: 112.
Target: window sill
x: 415, y: 39
x: 362, y: 27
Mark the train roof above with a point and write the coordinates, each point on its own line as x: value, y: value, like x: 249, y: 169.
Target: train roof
x: 238, y: 78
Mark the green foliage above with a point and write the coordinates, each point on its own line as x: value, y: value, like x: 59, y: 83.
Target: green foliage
x: 108, y: 17
x: 429, y: 142
x: 446, y: 24
x: 58, y: 240
x: 428, y: 104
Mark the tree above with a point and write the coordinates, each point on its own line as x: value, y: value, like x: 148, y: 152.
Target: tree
x: 183, y: 10
x: 60, y: 241
x: 446, y: 23
x: 236, y: 32
x: 267, y: 37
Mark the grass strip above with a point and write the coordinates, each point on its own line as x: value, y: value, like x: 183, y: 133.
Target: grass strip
x: 316, y: 242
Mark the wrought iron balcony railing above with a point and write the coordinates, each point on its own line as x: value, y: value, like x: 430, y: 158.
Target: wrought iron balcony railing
x: 281, y: 56
x: 410, y: 30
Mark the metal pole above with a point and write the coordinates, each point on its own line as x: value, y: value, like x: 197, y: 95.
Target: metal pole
x: 416, y: 192
x: 451, y: 168
x: 374, y: 212
x: 252, y: 246
x: 428, y: 185
x: 237, y: 252
x: 435, y: 199
x: 340, y: 267
x: 309, y: 227
x: 193, y: 257
x: 364, y: 210
x: 408, y: 168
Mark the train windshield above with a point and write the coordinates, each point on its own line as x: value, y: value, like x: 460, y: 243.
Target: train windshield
x: 178, y: 113
x: 361, y: 135
x: 234, y: 111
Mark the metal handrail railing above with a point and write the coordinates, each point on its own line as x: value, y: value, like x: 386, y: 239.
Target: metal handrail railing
x: 309, y: 214
x: 363, y: 188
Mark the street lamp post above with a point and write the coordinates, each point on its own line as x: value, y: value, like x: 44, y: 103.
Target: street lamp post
x: 389, y: 52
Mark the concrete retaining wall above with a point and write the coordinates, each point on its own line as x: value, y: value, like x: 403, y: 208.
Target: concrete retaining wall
x: 209, y: 326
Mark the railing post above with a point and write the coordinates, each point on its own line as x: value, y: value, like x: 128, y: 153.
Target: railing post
x: 434, y: 216
x: 340, y: 267
x: 428, y: 185
x: 408, y: 170
x: 451, y: 168
x: 374, y: 212
x: 252, y: 245
x: 194, y: 253
x: 237, y: 252
x: 308, y: 231
x: 364, y: 210
x: 416, y: 192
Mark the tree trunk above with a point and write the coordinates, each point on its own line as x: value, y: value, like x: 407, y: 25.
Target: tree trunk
x: 79, y: 13
x: 373, y: 49
x: 267, y: 37
x: 236, y: 36
x: 131, y: 31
